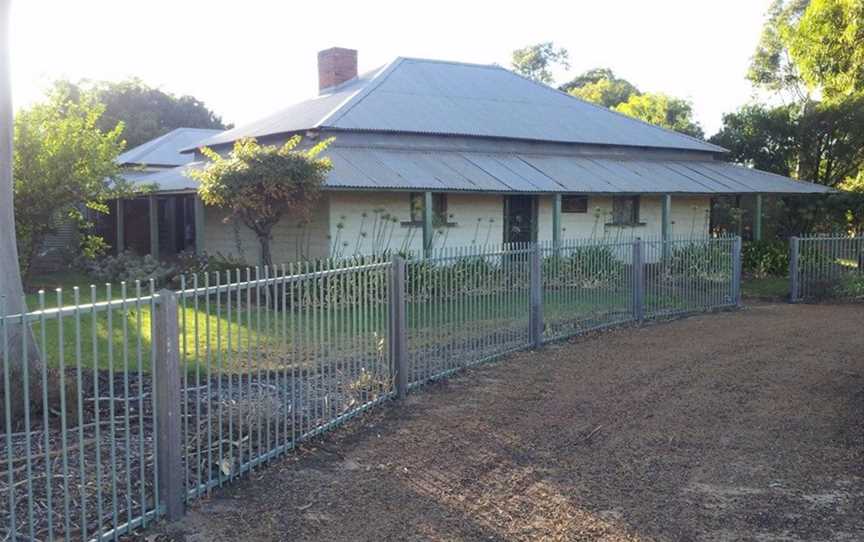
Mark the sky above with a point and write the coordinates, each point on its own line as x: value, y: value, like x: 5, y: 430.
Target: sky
x: 248, y: 58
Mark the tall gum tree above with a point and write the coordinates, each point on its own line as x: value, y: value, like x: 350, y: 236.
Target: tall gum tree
x: 21, y: 359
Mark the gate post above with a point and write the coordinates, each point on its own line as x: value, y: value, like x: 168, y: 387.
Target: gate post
x: 736, y: 271
x: 794, y: 285
x: 398, y: 339
x: 535, y: 317
x: 167, y: 394
x: 639, y: 280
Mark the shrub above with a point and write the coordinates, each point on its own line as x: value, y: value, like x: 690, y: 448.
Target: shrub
x: 128, y: 266
x: 765, y: 258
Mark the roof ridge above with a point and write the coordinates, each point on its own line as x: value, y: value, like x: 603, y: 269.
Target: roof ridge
x: 351, y: 101
x: 610, y: 110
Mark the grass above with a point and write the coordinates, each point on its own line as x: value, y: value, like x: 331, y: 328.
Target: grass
x: 97, y: 339
x: 765, y: 287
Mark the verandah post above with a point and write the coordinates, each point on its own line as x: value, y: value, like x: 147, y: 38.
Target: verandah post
x: 638, y: 264
x: 166, y: 334
x: 153, y: 211
x: 794, y: 285
x: 428, y: 226
x: 120, y: 242
x: 535, y: 320
x: 556, y: 222
x: 398, y: 333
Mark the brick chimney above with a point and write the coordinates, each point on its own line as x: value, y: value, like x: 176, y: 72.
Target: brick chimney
x: 335, y: 66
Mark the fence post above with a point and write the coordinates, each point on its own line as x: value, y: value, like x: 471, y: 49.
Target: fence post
x: 793, y: 269
x: 736, y: 271
x: 535, y: 320
x: 639, y: 280
x: 398, y: 339
x: 169, y: 443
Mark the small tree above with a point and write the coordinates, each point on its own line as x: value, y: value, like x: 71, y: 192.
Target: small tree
x: 63, y: 161
x: 261, y: 184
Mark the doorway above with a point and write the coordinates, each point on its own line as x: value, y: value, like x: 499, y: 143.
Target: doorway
x: 520, y: 219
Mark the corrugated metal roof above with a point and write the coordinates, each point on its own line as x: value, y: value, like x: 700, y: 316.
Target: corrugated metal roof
x: 524, y: 172
x: 392, y: 169
x: 165, y: 150
x: 452, y: 98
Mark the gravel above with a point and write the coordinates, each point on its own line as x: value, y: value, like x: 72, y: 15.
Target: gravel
x: 732, y: 426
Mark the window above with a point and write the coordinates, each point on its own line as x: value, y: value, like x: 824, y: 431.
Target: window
x: 439, y: 208
x: 574, y: 204
x: 625, y: 210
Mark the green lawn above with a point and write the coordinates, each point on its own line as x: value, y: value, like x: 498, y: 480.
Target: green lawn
x: 766, y: 287
x: 248, y: 338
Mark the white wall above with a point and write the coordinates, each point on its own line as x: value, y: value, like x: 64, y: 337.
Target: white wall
x: 339, y: 229
x: 689, y: 217
x: 477, y: 220
x: 290, y: 242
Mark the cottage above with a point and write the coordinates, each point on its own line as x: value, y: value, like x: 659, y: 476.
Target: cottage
x: 430, y: 154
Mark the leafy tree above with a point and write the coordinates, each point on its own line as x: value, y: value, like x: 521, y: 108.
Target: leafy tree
x: 827, y: 46
x: 536, y: 61
x: 762, y: 137
x: 146, y: 112
x: 261, y: 184
x: 772, y: 67
x: 662, y: 110
x: 600, y: 86
x: 62, y: 160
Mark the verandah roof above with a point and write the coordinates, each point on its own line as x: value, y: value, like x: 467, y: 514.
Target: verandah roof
x: 361, y: 168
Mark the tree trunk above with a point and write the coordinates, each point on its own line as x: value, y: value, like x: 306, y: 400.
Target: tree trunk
x: 16, y: 340
x: 266, y: 259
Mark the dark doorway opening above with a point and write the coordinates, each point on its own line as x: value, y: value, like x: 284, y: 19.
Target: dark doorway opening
x: 520, y: 219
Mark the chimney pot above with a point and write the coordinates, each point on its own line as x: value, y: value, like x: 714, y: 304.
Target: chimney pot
x: 335, y: 66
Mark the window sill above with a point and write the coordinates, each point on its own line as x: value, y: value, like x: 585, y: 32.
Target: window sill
x: 434, y: 226
x: 626, y: 225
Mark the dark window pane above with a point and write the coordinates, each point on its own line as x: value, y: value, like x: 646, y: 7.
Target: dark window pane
x: 574, y: 204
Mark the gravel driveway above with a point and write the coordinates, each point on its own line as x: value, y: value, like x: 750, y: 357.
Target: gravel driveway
x: 731, y: 426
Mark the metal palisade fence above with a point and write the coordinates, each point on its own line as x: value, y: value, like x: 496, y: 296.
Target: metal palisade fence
x: 826, y: 267
x: 137, y: 401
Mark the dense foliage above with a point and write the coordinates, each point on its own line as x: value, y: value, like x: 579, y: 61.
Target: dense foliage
x: 260, y: 185
x: 810, y: 57
x: 600, y: 86
x: 146, y: 112
x: 62, y: 161
x: 761, y: 259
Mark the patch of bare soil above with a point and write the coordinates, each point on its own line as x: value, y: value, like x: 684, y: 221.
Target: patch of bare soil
x: 732, y: 426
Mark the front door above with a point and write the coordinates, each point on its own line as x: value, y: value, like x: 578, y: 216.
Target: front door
x: 520, y: 214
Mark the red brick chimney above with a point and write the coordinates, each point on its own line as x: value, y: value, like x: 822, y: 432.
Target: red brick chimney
x: 335, y: 66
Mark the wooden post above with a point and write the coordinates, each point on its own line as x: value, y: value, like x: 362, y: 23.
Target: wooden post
x: 535, y: 319
x: 556, y: 221
x: 120, y: 242
x: 794, y: 285
x: 757, y: 219
x: 666, y: 226
x: 398, y: 340
x: 153, y: 208
x: 736, y: 271
x: 428, y: 231
x: 638, y: 265
x: 166, y: 377
x: 199, y: 226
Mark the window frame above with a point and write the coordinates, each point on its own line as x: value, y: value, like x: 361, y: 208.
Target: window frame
x: 439, y: 209
x: 633, y: 219
x: 582, y: 209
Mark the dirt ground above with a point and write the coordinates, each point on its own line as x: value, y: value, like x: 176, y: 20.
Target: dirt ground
x: 731, y: 426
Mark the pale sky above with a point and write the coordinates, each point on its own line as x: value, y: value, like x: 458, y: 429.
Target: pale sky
x: 248, y: 58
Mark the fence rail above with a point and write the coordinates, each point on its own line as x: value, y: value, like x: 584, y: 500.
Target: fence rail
x: 142, y: 400
x: 826, y: 267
